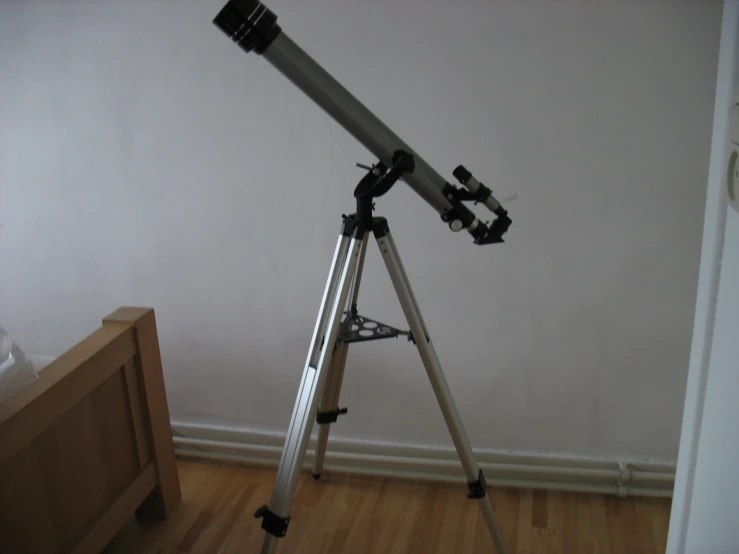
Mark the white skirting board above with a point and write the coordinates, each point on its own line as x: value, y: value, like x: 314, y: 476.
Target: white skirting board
x: 512, y: 469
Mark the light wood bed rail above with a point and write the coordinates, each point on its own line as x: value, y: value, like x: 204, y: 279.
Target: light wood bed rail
x: 89, y: 444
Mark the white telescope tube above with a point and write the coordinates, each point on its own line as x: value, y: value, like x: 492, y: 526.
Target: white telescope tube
x: 252, y: 26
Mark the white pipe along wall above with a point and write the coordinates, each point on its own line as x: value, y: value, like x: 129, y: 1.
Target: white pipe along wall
x: 145, y: 160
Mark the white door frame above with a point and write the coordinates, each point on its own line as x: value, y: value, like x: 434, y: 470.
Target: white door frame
x: 708, y: 282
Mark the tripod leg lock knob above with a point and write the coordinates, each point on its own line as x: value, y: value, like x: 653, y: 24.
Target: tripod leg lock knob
x: 271, y: 522
x: 478, y: 488
x: 323, y: 418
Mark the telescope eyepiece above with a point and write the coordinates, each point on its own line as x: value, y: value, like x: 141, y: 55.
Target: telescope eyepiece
x: 461, y: 174
x: 248, y: 23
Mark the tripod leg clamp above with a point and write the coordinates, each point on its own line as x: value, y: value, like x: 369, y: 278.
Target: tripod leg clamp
x: 329, y: 417
x: 271, y: 522
x: 478, y: 488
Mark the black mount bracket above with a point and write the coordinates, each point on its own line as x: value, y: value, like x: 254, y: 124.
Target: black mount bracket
x: 271, y: 522
x: 378, y: 181
x: 350, y: 225
x: 478, y: 488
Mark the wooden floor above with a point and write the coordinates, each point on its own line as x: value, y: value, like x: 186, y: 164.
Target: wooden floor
x: 364, y: 515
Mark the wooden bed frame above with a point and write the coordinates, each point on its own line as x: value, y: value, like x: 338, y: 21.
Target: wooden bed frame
x: 89, y: 444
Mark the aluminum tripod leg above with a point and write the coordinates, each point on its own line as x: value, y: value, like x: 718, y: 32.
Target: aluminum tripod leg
x: 276, y: 515
x: 431, y: 362
x: 329, y: 406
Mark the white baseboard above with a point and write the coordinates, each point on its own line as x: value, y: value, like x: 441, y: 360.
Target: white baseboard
x: 514, y: 469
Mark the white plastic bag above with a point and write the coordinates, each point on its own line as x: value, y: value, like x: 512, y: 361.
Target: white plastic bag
x: 16, y: 371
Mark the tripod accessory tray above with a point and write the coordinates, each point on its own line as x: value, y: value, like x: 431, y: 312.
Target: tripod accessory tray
x: 357, y: 328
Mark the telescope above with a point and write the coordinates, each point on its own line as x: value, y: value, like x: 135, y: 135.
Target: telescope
x: 252, y: 26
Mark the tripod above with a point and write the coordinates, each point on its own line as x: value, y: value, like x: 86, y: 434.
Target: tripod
x: 324, y: 368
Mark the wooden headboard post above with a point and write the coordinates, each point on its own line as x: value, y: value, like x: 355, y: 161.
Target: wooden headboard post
x: 149, y: 384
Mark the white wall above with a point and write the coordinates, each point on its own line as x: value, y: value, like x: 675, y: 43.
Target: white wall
x: 144, y: 159
x: 706, y: 498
